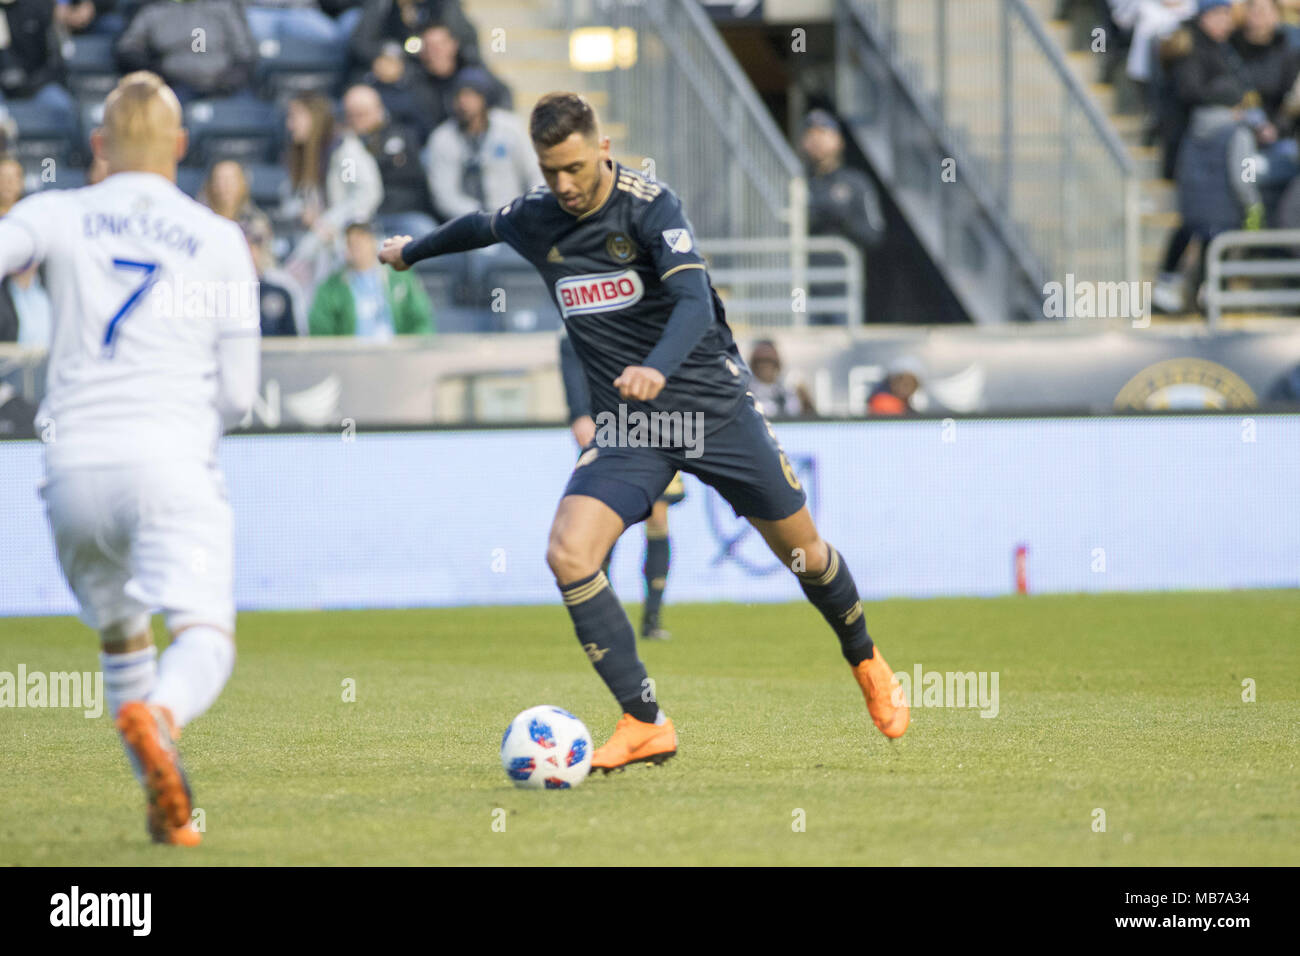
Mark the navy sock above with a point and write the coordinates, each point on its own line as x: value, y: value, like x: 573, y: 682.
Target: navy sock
x: 606, y: 635
x: 655, y: 570
x: 834, y: 594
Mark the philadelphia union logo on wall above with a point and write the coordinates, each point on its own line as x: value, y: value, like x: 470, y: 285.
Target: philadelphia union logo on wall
x: 1185, y: 384
x: 620, y: 247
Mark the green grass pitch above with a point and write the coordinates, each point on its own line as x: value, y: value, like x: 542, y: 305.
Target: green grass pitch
x: 1129, y: 704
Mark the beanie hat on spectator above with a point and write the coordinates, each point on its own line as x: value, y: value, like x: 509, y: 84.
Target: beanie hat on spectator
x: 821, y: 118
x: 476, y: 78
x: 1204, y: 6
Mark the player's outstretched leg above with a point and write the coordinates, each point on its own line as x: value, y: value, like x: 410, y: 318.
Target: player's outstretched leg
x: 655, y: 569
x: 826, y: 581
x: 191, y: 674
x: 584, y: 530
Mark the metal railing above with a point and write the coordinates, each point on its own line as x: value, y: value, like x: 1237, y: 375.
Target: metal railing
x: 692, y: 119
x: 1218, y: 268
x: 755, y: 279
x: 1047, y: 156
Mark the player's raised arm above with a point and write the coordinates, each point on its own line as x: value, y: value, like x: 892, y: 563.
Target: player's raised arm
x: 470, y: 231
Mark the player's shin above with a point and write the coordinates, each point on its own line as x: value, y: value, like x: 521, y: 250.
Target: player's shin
x: 834, y: 593
x: 655, y: 570
x: 192, y: 672
x: 128, y: 676
x: 606, y: 634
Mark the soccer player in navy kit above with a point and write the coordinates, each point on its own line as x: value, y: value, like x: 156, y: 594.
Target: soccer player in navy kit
x: 619, y: 257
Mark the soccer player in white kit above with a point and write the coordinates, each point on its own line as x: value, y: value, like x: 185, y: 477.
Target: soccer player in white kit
x: 155, y: 347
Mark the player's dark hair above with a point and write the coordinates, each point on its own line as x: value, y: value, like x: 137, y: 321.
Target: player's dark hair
x: 557, y: 116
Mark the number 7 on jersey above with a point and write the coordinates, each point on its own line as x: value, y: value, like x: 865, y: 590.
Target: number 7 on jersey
x: 148, y: 268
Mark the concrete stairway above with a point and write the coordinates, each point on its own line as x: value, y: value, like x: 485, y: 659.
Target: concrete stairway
x: 535, y: 58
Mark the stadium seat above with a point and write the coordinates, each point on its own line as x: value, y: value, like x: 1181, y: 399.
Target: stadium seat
x: 41, y: 135
x: 291, y: 66
x: 92, y: 69
x: 528, y: 305
x: 237, y: 127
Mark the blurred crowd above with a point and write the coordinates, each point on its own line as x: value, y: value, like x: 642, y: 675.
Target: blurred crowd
x: 317, y: 125
x: 1220, y: 81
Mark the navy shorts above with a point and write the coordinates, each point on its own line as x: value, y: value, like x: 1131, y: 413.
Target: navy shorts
x: 741, y: 460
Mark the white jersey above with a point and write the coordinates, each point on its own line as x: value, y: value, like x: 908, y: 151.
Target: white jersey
x: 155, y: 320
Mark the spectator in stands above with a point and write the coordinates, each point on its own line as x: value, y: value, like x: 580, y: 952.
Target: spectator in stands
x: 407, y: 208
x: 89, y: 17
x: 282, y: 299
x: 295, y: 20
x: 25, y: 309
x: 1213, y: 85
x: 895, y: 395
x: 1233, y: 88
x: 778, y: 398
x: 1272, y: 67
x: 406, y: 97
x: 368, y: 300
x: 481, y: 159
x: 404, y: 20
x: 332, y: 180
x: 161, y: 37
x: 442, y: 56
x: 841, y: 201
x: 31, y: 63
x: 1148, y: 21
x: 226, y: 192
x: 24, y: 303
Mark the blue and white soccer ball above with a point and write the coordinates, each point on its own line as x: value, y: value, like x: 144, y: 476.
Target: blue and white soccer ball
x: 546, y: 747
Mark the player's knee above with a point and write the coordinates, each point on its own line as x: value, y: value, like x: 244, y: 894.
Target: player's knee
x: 125, y: 636
x: 567, y: 560
x: 810, y: 557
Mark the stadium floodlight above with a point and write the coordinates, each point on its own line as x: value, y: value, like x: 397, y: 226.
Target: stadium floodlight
x: 593, y: 49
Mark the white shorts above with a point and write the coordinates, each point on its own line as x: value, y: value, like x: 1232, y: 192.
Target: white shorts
x: 135, y: 539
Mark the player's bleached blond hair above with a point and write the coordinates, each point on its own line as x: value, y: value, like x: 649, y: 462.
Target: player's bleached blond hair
x: 142, y: 117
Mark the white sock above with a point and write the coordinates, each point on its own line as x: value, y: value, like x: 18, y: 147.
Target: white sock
x: 128, y: 676
x: 192, y: 672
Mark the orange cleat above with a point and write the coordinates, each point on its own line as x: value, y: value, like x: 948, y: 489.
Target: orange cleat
x: 151, y: 735
x: 635, y: 741
x: 886, y: 701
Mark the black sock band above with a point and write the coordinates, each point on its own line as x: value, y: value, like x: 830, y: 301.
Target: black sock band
x: 834, y: 594
x: 606, y: 635
x: 655, y: 570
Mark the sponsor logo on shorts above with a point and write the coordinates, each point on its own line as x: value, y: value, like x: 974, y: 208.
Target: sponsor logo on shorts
x: 606, y: 292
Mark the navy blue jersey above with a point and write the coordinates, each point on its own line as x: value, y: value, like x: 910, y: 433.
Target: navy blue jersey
x: 605, y: 270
